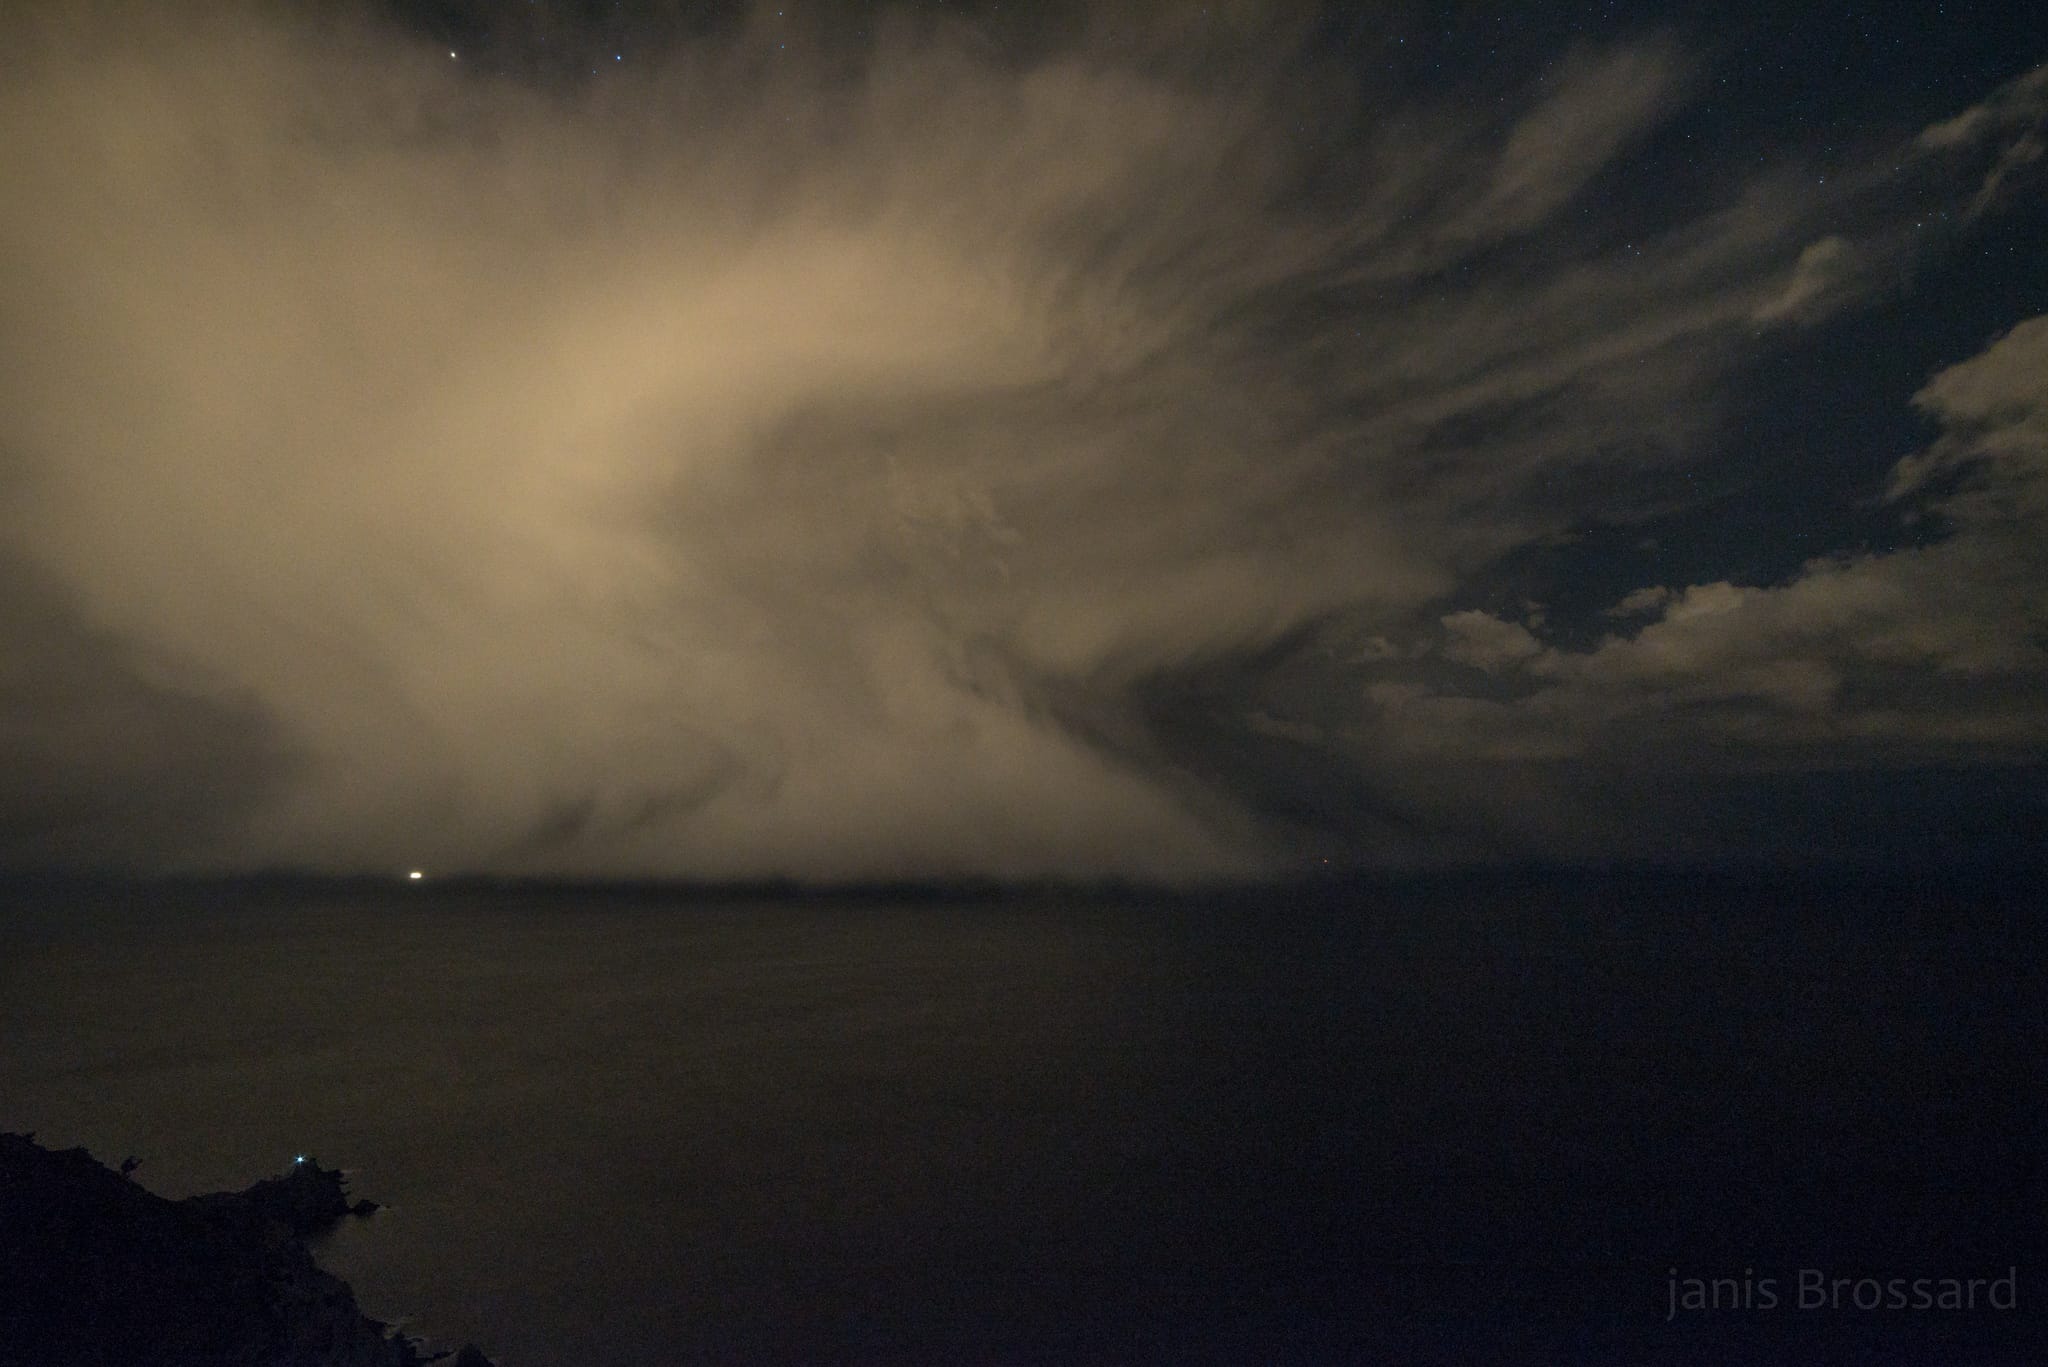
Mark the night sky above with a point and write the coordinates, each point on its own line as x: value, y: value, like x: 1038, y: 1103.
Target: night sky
x: 929, y: 440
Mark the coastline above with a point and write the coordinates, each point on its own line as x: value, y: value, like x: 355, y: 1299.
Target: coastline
x: 95, y: 1268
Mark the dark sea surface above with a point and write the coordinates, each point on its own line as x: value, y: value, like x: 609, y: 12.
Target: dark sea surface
x: 1469, y: 1120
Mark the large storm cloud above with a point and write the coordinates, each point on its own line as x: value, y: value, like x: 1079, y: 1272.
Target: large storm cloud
x: 821, y: 458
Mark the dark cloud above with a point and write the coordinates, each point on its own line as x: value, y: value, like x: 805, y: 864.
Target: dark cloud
x: 1931, y: 658
x: 111, y: 760
x: 903, y: 452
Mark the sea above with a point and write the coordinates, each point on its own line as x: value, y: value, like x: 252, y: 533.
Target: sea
x: 1517, y: 1118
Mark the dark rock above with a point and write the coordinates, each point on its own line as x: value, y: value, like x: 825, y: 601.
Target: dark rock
x: 306, y: 1200
x: 96, y: 1269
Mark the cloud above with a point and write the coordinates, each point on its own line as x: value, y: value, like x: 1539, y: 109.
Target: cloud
x: 1486, y: 642
x: 1639, y: 601
x: 1595, y: 104
x: 1936, y: 653
x: 2014, y: 121
x: 1822, y: 268
x: 2018, y: 104
x: 762, y: 462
